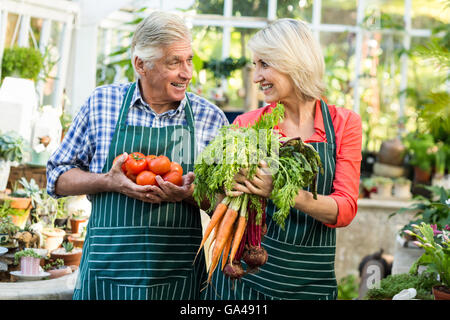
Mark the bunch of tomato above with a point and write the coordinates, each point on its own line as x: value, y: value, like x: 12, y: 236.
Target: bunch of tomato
x: 143, y: 169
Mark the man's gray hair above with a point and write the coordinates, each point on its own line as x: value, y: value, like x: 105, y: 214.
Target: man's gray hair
x: 158, y: 30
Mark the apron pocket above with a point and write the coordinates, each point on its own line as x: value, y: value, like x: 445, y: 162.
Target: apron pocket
x: 142, y: 255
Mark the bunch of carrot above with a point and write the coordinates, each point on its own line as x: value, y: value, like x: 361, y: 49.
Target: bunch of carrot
x: 236, y: 228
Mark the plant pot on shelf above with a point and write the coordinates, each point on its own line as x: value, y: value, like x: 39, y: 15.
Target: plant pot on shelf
x: 421, y: 176
x: 53, y: 237
x: 75, y: 224
x: 441, y: 292
x: 23, y: 208
x: 78, y: 242
x: 30, y: 265
x: 72, y: 258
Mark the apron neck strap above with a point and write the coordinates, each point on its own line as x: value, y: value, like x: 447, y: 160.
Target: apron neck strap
x: 328, y: 124
x: 127, y: 102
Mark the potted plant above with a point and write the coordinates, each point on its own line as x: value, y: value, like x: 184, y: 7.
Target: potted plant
x: 12, y: 148
x: 384, y: 187
x: 22, y: 62
x: 421, y: 148
x: 402, y: 188
x: 7, y: 228
x: 432, y: 211
x: 76, y: 220
x: 368, y: 187
x: 56, y: 268
x: 29, y: 261
x: 436, y: 257
x: 62, y: 214
x: 388, y: 287
x: 53, y: 238
x: 68, y: 253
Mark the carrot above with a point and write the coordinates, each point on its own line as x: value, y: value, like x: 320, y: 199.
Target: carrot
x: 215, y: 219
x: 240, y: 228
x: 224, y: 233
x: 226, y: 250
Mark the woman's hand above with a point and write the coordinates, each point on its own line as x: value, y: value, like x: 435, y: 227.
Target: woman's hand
x: 261, y: 184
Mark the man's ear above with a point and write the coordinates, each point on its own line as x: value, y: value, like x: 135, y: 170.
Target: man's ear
x: 139, y: 65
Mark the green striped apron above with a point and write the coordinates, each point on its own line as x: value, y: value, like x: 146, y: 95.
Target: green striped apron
x: 136, y: 250
x: 301, y: 258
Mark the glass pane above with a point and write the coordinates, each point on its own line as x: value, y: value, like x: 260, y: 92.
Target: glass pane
x: 339, y: 12
x: 12, y: 30
x: 208, y: 7
x: 35, y: 32
x: 428, y: 14
x: 338, y: 51
x: 295, y: 9
x: 55, y: 56
x: 250, y: 8
x: 387, y: 14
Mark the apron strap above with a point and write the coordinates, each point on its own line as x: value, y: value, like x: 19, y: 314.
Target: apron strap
x: 328, y: 124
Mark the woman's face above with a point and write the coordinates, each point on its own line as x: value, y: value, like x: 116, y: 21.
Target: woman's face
x: 275, y: 85
x: 167, y: 81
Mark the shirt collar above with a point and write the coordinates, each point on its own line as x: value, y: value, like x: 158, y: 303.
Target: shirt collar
x: 319, y: 134
x: 138, y: 102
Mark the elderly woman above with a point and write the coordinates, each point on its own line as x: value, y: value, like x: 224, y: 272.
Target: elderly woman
x: 289, y: 68
x: 141, y: 240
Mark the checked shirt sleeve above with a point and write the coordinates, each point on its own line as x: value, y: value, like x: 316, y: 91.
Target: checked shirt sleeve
x: 75, y: 150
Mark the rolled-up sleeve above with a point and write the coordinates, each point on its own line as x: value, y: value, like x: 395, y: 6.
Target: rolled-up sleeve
x: 74, y: 152
x: 348, y: 166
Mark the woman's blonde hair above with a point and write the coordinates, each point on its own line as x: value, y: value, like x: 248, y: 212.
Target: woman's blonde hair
x: 158, y: 30
x: 289, y: 46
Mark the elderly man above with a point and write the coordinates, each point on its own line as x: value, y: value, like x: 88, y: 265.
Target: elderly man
x: 141, y: 240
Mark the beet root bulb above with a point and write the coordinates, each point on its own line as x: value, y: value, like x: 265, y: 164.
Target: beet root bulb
x: 233, y: 270
x: 255, y: 256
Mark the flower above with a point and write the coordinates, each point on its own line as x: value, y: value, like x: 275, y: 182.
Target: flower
x: 435, y: 230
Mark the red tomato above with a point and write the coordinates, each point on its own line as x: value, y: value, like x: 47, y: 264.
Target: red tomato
x: 160, y: 165
x: 131, y: 176
x: 146, y: 178
x: 175, y: 166
x: 124, y: 169
x: 136, y: 163
x: 149, y: 159
x: 174, y: 177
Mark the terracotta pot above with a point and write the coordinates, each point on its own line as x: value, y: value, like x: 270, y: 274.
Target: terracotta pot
x: 57, y: 273
x: 22, y: 204
x: 421, y: 176
x: 392, y: 152
x: 70, y: 259
x: 75, y: 224
x: 441, y: 293
x: 53, y: 237
x: 77, y: 242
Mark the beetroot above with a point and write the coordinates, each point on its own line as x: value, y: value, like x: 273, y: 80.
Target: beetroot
x: 255, y: 256
x: 234, y: 270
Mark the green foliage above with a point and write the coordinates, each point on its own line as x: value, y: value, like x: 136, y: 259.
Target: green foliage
x: 393, y: 284
x: 430, y: 211
x: 25, y: 253
x: 224, y: 68
x: 12, y: 146
x: 437, y: 251
x: 348, y: 288
x: 6, y: 224
x: 57, y: 264
x: 293, y: 164
x: 68, y: 246
x: 420, y: 147
x: 22, y: 62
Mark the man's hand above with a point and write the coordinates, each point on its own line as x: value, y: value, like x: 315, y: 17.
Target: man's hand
x: 119, y: 182
x: 169, y: 192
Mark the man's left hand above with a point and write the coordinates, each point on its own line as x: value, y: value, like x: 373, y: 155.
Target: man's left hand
x: 169, y: 192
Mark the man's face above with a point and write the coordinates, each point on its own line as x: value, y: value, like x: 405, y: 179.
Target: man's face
x: 167, y: 81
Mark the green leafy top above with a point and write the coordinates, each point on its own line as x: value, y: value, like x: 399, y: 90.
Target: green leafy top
x: 293, y: 164
x: 12, y: 146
